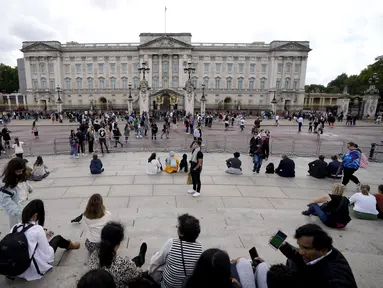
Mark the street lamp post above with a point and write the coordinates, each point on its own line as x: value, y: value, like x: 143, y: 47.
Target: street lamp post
x: 274, y: 103
x: 59, y: 101
x: 189, y: 69
x: 203, y: 100
x: 130, y: 100
x: 143, y: 69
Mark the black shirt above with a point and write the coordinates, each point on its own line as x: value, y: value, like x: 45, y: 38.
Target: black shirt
x: 338, y: 212
x: 235, y: 163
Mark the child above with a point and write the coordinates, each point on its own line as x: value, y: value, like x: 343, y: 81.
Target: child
x: 18, y: 146
x: 13, y: 174
x: 40, y: 170
x: 184, y: 163
x: 165, y: 131
x: 311, y: 126
x: 96, y: 166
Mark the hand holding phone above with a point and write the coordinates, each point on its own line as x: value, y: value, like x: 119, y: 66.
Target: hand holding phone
x: 277, y: 240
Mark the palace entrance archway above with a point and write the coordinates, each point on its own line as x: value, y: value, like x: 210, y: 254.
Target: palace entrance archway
x: 166, y: 100
x: 103, y: 103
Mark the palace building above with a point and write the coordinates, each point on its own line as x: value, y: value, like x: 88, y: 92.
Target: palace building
x: 166, y: 71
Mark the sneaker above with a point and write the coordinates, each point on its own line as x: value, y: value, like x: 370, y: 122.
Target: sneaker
x: 358, y: 187
x: 196, y: 194
x: 76, y: 157
x: 82, y: 154
x: 192, y: 191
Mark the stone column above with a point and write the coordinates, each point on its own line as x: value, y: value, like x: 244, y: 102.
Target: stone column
x: 160, y: 71
x: 370, y: 105
x: 302, y: 78
x: 189, y: 97
x: 149, y: 77
x: 9, y: 102
x: 17, y: 100
x: 25, y: 101
x: 170, y: 64
x: 144, y: 96
x: 28, y: 74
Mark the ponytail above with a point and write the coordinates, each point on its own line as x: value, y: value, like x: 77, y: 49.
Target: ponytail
x: 106, y: 253
x: 365, y: 189
x: 17, y: 141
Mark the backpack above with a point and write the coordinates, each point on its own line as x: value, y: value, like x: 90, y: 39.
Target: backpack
x: 363, y: 163
x: 14, y: 253
x: 270, y: 168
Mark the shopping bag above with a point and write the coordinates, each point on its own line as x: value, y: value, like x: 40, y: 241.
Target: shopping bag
x: 188, y: 179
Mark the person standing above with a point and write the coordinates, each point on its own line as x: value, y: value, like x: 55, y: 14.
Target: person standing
x: 117, y: 135
x: 277, y: 120
x: 6, y: 136
x: 127, y: 133
x: 73, y: 142
x: 81, y: 139
x: 90, y: 139
x: 35, y: 131
x: 196, y: 168
x: 300, y: 123
x: 350, y: 163
x: 102, y: 137
x: 154, y: 130
x: 18, y: 146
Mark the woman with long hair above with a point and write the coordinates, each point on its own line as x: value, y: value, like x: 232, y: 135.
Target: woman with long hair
x: 13, y: 174
x: 40, y: 250
x: 154, y: 165
x: 123, y: 269
x: 18, y: 146
x: 40, y: 170
x: 213, y: 270
x: 95, y: 218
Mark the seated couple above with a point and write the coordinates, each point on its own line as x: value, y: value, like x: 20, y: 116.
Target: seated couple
x: 172, y: 164
x: 234, y: 165
x: 319, y: 168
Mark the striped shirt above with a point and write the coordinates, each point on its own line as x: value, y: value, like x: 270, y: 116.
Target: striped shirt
x: 174, y: 273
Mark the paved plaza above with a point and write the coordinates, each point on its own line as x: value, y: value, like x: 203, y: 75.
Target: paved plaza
x: 236, y: 212
x: 285, y: 138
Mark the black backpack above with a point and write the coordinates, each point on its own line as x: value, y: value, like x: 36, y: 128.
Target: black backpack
x: 270, y: 168
x: 14, y: 253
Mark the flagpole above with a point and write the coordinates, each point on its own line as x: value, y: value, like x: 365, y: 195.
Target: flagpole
x: 165, y: 19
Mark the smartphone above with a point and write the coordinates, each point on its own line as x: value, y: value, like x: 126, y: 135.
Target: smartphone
x: 278, y: 239
x: 253, y: 253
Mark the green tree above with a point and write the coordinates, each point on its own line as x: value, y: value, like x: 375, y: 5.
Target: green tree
x: 9, y: 79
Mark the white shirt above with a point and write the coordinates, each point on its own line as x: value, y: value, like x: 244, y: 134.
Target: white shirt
x: 300, y: 120
x: 277, y: 117
x: 196, y: 133
x: 44, y: 253
x: 94, y: 227
x: 364, y: 203
x: 153, y: 167
x: 18, y: 149
x: 242, y: 122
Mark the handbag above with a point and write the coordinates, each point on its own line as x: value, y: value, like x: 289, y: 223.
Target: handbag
x: 188, y: 179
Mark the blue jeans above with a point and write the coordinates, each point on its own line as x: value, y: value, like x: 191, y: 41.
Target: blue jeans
x: 257, y: 159
x: 73, y: 150
x: 315, y: 208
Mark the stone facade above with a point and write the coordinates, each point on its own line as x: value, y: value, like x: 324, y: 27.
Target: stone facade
x: 236, y: 75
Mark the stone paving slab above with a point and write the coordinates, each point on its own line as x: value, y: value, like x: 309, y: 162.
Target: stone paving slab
x: 236, y: 212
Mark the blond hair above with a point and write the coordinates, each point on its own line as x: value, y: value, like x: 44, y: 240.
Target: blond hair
x: 365, y: 189
x: 337, y: 189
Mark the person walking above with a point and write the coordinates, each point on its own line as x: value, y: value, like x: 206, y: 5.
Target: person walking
x: 154, y: 131
x: 35, y: 131
x: 300, y: 123
x: 18, y: 146
x: 102, y: 138
x: 6, y: 136
x: 196, y: 168
x: 350, y: 163
x: 127, y: 133
x: 117, y: 135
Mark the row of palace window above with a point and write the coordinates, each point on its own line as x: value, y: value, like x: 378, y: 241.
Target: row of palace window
x: 175, y: 83
x: 124, y: 67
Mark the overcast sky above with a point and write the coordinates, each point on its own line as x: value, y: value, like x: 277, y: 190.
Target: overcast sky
x: 345, y: 35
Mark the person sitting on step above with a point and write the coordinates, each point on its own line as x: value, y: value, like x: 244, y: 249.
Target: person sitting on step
x: 234, y: 165
x: 96, y: 166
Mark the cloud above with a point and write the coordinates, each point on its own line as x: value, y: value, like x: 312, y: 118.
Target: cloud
x: 344, y: 34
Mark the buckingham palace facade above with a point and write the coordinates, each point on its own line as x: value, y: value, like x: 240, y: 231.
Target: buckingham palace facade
x: 109, y: 75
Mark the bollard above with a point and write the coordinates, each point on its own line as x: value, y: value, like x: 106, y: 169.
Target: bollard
x: 372, y: 151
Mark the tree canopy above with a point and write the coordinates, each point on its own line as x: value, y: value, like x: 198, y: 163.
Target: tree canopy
x: 356, y: 84
x: 9, y: 79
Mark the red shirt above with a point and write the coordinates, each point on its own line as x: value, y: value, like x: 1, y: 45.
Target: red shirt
x: 379, y: 201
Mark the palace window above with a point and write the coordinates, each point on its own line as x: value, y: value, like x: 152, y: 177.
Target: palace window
x: 206, y: 67
x: 278, y: 83
x: 79, y: 83
x: 206, y: 82
x: 135, y: 67
x: 51, y: 67
x: 217, y: 83
x: 34, y: 68
x: 263, y: 68
x: 217, y: 68
x: 52, y: 84
x: 155, y: 83
x: 78, y: 68
x: 67, y: 83
x: 101, y: 67
x: 165, y: 83
x: 295, y: 85
x: 113, y: 83
x: 113, y: 67
x: 67, y: 68
x: 90, y: 67
x: 124, y: 83
x: 124, y: 67
x: 43, y: 83
x: 287, y: 84
x: 136, y: 83
x: 42, y: 67
x: 262, y: 83
x: 228, y: 83
x: 288, y: 67
x: 251, y: 83
x: 297, y: 68
x: 155, y: 67
x: 102, y: 83
x: 280, y: 66
x: 240, y: 83
x: 175, y: 67
x: 90, y: 83
x: 252, y: 68
x: 229, y: 67
x: 166, y: 67
x: 175, y: 82
x: 241, y: 67
x: 35, y: 84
